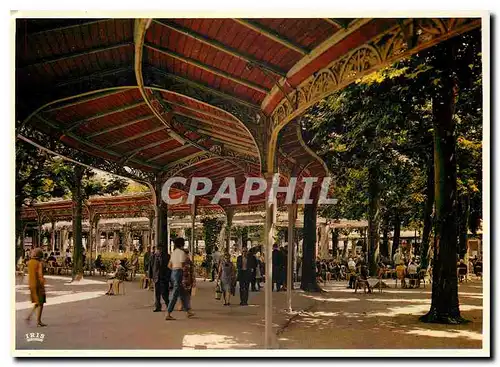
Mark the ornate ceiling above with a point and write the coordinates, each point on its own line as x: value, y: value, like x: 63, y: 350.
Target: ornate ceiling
x: 200, y: 97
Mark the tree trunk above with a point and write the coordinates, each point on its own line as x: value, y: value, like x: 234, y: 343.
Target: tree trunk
x: 335, y: 242
x: 444, y: 303
x: 397, y: 233
x: 429, y: 205
x: 463, y: 215
x: 77, y: 194
x: 308, y: 281
x: 373, y: 219
x: 384, y: 249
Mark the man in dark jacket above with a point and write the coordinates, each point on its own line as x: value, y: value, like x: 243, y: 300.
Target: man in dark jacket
x: 245, y: 264
x: 252, y: 263
x: 278, y: 265
x: 159, y: 273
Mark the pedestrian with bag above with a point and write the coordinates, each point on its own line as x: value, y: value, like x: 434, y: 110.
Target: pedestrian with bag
x: 176, y: 264
x: 227, y: 278
x: 188, y: 280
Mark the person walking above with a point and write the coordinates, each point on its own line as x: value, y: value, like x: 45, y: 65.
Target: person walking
x: 176, y: 262
x: 278, y: 266
x: 227, y: 277
x: 188, y: 280
x: 244, y: 275
x: 216, y: 257
x: 252, y: 265
x: 159, y: 273
x: 258, y: 273
x: 36, y: 286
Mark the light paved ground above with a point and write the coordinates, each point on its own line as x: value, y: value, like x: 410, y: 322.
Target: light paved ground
x: 342, y: 319
x: 79, y: 316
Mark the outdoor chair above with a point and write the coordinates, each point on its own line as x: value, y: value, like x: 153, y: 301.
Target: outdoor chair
x: 462, y: 274
x: 412, y: 280
x: 402, y: 280
x: 478, y: 270
x: 117, y: 285
x: 421, y: 277
x: 362, y: 283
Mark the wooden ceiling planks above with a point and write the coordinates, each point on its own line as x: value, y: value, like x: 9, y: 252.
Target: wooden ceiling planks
x: 126, y: 102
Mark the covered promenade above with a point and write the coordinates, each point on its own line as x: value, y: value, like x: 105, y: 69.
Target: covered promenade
x: 151, y: 99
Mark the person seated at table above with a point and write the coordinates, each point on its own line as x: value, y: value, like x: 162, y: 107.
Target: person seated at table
x: 99, y: 265
x: 462, y: 270
x: 381, y: 270
x: 478, y: 267
x: 343, y: 272
x: 363, y: 277
x: 401, y: 273
x: 352, y: 273
x: 118, y: 276
x: 51, y: 258
x: 412, y: 273
x: 51, y: 262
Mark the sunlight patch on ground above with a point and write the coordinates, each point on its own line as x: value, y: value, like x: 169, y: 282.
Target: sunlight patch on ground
x: 26, y: 286
x: 409, y: 300
x: 446, y: 333
x: 73, y: 297
x: 416, y: 309
x: 49, y: 293
x: 213, y: 341
x: 85, y: 282
x: 326, y: 314
x: 331, y: 299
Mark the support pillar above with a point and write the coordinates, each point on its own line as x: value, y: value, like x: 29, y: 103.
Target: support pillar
x: 194, y: 208
x: 151, y: 230
x: 53, y: 235
x: 268, y: 245
x: 161, y: 220
x: 39, y: 234
x: 292, y: 217
x: 169, y: 244
x: 229, y: 224
x: 64, y: 239
x: 97, y: 235
x: 94, y: 236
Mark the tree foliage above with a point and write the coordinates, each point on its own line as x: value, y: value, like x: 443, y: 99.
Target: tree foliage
x: 383, y: 124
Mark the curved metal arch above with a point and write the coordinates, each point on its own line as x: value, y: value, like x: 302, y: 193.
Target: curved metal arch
x: 69, y: 98
x: 140, y: 29
x: 216, y: 108
x: 309, y: 150
x: 236, y: 119
x: 387, y: 52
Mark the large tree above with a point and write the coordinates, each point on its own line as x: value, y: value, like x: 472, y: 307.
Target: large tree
x: 402, y: 125
x: 80, y: 183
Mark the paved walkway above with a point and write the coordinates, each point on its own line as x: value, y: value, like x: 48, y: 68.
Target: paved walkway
x: 79, y: 316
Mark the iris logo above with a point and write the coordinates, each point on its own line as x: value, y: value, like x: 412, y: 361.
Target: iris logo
x: 34, y: 337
